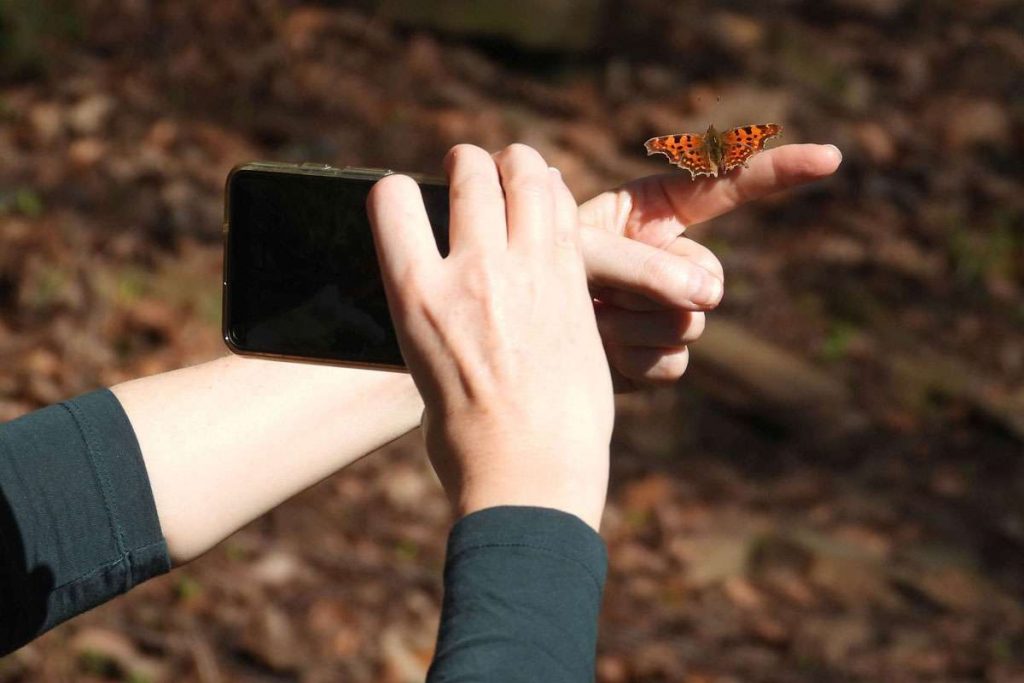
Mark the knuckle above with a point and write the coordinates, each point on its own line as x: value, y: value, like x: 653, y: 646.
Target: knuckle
x: 566, y: 238
x: 406, y: 292
x: 410, y: 282
x: 479, y: 279
x: 473, y: 185
x: 480, y: 184
x: 657, y: 269
x: 709, y: 263
x: 528, y: 185
x: 706, y: 259
x: 715, y: 266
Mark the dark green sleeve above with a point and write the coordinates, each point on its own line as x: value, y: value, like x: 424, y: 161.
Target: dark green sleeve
x: 522, y: 593
x: 78, y: 524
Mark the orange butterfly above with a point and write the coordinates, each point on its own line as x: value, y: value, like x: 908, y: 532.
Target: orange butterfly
x: 713, y: 152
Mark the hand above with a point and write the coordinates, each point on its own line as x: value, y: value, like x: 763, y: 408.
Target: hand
x: 500, y: 336
x: 653, y: 284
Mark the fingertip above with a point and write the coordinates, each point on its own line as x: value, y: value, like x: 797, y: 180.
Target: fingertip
x: 556, y: 178
x: 566, y: 210
x: 391, y: 199
x: 704, y: 289
x: 676, y: 280
x: 530, y: 196
x: 682, y: 282
x: 698, y: 254
x: 669, y: 368
x: 559, y: 182
x: 389, y: 187
x: 819, y: 160
x: 399, y: 223
x: 459, y: 151
x: 837, y: 155
x: 650, y: 365
x: 713, y: 290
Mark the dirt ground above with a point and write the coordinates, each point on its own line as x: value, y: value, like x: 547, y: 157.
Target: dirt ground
x: 876, y: 534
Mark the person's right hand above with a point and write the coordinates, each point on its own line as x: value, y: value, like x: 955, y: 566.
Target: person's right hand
x: 653, y: 283
x: 500, y: 335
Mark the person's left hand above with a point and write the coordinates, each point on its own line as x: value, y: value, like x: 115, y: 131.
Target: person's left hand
x: 653, y: 285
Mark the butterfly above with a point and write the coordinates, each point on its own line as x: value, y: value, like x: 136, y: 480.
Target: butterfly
x: 713, y: 152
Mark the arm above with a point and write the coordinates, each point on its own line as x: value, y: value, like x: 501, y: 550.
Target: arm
x: 213, y: 436
x: 522, y: 593
x: 77, y: 520
x: 228, y: 440
x: 518, y: 412
x: 525, y: 568
x: 84, y: 512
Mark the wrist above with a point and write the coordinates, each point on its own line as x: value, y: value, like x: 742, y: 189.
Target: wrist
x: 581, y: 496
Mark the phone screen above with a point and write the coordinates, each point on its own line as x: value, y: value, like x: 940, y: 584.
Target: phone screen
x: 301, y: 273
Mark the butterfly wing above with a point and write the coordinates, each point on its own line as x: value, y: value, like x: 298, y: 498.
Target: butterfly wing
x: 687, y: 151
x: 739, y: 144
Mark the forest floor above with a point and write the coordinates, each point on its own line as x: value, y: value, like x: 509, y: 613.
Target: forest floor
x: 879, y: 537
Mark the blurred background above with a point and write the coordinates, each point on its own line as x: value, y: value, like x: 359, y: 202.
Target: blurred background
x: 834, y: 492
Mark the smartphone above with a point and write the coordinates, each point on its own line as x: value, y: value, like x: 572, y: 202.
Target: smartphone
x: 301, y: 279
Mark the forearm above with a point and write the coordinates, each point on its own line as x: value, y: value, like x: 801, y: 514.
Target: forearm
x: 77, y: 521
x: 522, y: 594
x: 227, y: 440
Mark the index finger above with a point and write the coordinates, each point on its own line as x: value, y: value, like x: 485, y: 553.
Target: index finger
x: 662, y: 206
x: 401, y: 228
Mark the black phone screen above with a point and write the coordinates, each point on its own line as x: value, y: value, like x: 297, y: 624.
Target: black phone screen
x: 301, y: 274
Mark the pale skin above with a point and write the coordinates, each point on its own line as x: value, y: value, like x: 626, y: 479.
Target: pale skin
x: 228, y: 440
x: 500, y: 335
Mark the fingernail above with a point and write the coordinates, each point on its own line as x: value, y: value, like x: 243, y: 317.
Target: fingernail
x: 839, y: 153
x: 708, y: 290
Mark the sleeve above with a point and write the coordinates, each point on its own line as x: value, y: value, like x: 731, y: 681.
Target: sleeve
x: 78, y: 524
x: 523, y: 591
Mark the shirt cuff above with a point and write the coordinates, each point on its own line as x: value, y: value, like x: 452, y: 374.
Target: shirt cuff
x: 546, y: 529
